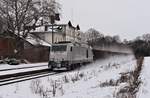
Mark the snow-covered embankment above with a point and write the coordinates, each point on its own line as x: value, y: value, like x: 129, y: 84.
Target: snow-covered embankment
x: 102, y: 79
x: 144, y: 91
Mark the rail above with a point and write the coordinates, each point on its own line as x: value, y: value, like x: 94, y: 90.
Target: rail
x: 24, y: 76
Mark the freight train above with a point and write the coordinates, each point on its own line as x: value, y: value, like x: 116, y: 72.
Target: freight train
x: 69, y: 55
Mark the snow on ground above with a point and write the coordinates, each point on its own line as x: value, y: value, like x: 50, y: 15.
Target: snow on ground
x: 91, y: 81
x: 6, y: 66
x: 144, y: 91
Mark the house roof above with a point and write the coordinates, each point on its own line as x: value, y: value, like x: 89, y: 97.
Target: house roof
x: 41, y: 29
x: 36, y: 41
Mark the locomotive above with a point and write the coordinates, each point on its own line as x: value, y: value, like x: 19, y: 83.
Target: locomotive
x: 69, y: 55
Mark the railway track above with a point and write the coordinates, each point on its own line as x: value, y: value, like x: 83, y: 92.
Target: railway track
x: 24, y: 76
x: 22, y: 68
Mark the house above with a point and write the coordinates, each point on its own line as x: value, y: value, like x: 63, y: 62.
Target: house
x: 58, y: 32
x: 33, y: 49
x: 6, y: 47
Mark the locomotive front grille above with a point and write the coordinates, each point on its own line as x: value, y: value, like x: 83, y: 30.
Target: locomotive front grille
x: 58, y: 64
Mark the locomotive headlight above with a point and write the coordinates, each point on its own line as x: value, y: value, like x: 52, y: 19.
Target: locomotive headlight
x: 58, y: 64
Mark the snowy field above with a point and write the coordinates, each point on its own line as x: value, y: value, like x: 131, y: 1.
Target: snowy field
x: 144, y: 91
x: 97, y: 80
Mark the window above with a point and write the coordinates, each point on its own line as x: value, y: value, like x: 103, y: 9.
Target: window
x: 59, y: 48
x: 87, y: 54
x: 71, y: 49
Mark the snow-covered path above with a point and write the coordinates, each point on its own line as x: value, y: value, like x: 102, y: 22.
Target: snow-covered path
x: 144, y: 91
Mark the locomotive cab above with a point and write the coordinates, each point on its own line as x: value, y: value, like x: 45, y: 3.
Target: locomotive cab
x: 68, y: 55
x: 58, y: 57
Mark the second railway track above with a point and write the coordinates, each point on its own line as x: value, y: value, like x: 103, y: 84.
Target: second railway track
x: 22, y: 68
x: 23, y: 76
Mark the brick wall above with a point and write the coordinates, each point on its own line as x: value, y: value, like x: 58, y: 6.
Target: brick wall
x: 36, y: 54
x: 6, y: 47
x: 32, y: 53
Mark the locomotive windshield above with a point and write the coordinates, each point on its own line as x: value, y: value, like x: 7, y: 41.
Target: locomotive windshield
x: 59, y: 48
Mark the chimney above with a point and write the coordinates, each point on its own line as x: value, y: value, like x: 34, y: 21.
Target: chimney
x: 78, y: 27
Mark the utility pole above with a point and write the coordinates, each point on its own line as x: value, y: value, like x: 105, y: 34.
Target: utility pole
x: 53, y: 18
x: 52, y: 22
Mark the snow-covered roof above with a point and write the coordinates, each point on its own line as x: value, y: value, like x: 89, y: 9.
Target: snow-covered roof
x: 39, y: 29
x: 36, y: 41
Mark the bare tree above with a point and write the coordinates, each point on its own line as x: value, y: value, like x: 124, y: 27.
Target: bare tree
x: 2, y: 25
x: 125, y: 41
x: 108, y: 39
x: 146, y: 37
x: 23, y: 15
x: 93, y: 34
x: 116, y: 39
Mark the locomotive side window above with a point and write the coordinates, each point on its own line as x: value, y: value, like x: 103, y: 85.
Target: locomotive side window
x: 70, y: 48
x: 87, y: 54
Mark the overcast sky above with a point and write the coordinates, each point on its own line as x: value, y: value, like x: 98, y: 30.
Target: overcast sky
x: 127, y: 18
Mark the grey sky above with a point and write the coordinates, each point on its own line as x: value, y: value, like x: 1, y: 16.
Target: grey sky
x: 127, y: 18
